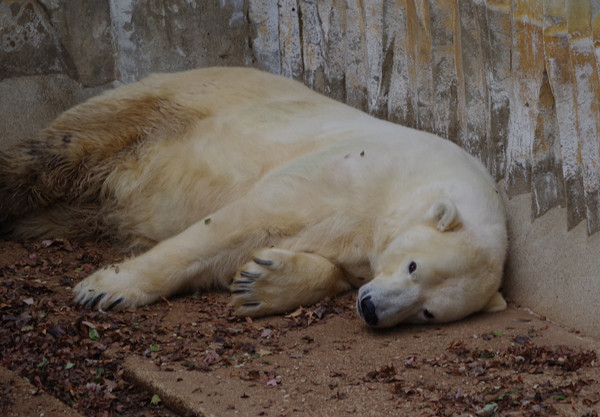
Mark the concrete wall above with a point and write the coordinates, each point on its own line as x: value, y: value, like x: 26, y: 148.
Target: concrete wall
x: 514, y: 82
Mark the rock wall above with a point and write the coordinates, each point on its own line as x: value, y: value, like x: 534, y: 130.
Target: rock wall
x: 55, y: 53
x: 514, y: 82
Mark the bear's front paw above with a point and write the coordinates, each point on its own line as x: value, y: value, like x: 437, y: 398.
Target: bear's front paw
x: 280, y: 280
x: 111, y: 287
x: 260, y: 287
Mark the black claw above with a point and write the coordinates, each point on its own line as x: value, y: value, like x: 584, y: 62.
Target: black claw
x: 251, y: 303
x: 243, y: 281
x: 96, y: 300
x: 238, y: 290
x: 115, y: 303
x: 263, y: 262
x: 90, y: 302
x: 253, y: 275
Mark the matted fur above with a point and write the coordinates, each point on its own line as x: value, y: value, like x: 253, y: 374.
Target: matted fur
x: 223, y: 170
x: 54, y: 184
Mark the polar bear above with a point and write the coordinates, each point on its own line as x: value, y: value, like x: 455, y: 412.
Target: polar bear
x: 238, y: 179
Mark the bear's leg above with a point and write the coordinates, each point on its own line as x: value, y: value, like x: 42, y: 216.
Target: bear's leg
x: 279, y: 280
x: 288, y: 202
x: 203, y: 256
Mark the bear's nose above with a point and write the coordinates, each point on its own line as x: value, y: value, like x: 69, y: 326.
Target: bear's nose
x: 367, y: 310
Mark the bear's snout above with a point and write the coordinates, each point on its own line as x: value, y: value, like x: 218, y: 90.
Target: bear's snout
x: 366, y: 309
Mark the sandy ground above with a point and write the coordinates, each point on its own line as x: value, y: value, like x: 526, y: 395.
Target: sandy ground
x: 190, y: 356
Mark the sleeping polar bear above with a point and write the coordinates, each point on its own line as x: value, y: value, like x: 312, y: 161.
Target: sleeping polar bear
x: 228, y: 169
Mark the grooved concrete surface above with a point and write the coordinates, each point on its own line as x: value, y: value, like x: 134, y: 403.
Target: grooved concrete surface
x: 24, y: 400
x: 323, y: 370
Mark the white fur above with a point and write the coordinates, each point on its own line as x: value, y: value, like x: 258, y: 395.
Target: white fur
x: 329, y: 196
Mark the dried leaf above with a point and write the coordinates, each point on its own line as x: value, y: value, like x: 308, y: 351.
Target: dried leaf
x: 93, y: 333
x: 43, y: 362
x: 521, y: 339
x: 488, y: 411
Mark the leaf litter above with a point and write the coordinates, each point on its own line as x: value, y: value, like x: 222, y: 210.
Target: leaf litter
x: 77, y: 355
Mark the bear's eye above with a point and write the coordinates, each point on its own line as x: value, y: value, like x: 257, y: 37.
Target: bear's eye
x: 428, y: 314
x: 412, y: 267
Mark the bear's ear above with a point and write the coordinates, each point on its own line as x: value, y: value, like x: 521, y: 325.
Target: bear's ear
x: 445, y: 215
x: 495, y: 304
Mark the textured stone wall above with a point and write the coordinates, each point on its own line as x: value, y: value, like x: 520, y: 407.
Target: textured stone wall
x: 55, y: 53
x: 515, y: 82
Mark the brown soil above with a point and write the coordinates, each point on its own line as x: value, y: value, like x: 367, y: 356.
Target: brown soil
x: 191, y: 354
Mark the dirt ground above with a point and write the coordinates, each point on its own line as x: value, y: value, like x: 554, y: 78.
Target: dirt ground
x: 189, y: 356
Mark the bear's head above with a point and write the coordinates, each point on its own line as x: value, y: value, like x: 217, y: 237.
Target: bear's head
x: 437, y: 270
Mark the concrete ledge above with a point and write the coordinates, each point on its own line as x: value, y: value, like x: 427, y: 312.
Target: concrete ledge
x: 166, y: 385
x: 321, y: 369
x: 23, y: 399
x: 550, y: 270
